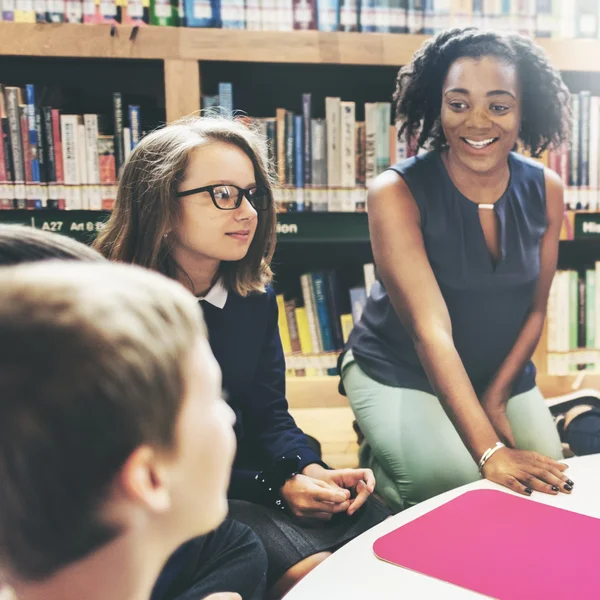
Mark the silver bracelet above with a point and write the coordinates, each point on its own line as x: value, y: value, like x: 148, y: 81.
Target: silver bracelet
x: 489, y: 453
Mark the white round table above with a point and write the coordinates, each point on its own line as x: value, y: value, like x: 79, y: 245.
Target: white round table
x: 354, y: 572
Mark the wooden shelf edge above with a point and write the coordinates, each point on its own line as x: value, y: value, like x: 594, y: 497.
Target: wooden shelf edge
x: 557, y: 385
x: 188, y: 43
x: 314, y: 392
x: 322, y: 392
x: 72, y: 40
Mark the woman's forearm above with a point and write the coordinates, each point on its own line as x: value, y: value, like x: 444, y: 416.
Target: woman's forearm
x: 453, y: 388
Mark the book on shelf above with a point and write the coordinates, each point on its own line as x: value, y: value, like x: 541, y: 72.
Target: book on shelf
x: 541, y: 18
x: 51, y: 159
x: 578, y: 163
x: 315, y: 324
x: 573, y: 322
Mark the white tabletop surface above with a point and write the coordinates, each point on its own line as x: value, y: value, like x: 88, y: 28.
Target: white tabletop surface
x: 353, y: 572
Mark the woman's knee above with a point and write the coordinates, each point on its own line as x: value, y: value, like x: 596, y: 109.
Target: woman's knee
x: 292, y: 576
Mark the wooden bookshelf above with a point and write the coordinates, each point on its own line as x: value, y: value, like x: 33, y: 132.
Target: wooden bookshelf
x: 181, y: 51
x: 188, y: 43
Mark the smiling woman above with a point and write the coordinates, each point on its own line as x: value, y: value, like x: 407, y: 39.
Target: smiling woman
x: 465, y: 237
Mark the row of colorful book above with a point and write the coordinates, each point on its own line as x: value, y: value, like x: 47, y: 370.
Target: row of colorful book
x: 578, y: 163
x: 324, y: 164
x: 573, y: 322
x: 62, y: 161
x: 315, y: 326
x: 542, y: 18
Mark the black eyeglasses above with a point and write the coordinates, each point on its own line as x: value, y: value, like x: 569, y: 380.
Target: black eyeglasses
x: 229, y: 197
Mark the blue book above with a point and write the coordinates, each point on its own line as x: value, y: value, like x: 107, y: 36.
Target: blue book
x: 135, y: 124
x: 33, y: 139
x: 324, y: 319
x: 201, y: 13
x: 298, y: 161
x: 328, y: 15
x: 226, y: 98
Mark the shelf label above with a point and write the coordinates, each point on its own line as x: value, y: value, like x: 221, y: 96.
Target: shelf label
x: 587, y: 225
x: 287, y: 229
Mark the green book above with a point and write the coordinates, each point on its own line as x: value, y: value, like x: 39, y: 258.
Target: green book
x: 590, y: 312
x: 573, y: 314
x: 164, y: 13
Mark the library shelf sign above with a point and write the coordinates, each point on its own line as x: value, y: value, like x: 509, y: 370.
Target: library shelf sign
x: 315, y: 227
x: 82, y: 225
x: 303, y: 227
x: 587, y: 225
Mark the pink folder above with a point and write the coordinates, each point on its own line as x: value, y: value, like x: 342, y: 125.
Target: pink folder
x: 502, y: 546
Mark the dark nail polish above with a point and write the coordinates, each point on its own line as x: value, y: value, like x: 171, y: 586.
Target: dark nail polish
x: 568, y: 487
x: 569, y: 482
x: 529, y: 491
x: 554, y: 488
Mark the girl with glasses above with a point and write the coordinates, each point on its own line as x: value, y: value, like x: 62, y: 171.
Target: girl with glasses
x: 195, y: 202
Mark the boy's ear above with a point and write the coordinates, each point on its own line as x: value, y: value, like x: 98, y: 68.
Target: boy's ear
x: 143, y: 479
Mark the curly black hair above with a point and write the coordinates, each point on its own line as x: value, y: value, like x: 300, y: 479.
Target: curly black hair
x: 545, y: 98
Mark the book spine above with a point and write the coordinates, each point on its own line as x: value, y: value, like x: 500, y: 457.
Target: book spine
x: 280, y: 121
x: 594, y: 153
x: 333, y: 121
x: 164, y: 13
x: 40, y: 8
x: 586, y: 19
x: 127, y: 142
x: 322, y: 311
x: 304, y: 336
x: 299, y: 161
x: 382, y: 157
x: 290, y: 314
x: 135, y: 125
x: 5, y: 137
x: 41, y: 153
x: 69, y: 134
x: 32, y: 138
x: 360, y: 154
x: 289, y: 149
x: 319, y: 165
x: 371, y: 125
x: 56, y: 11
x: 13, y: 100
x: 92, y: 161
x: 306, y: 122
x: 308, y: 295
x: 574, y: 159
x: 226, y: 98
x: 49, y: 156
x: 590, y: 307
x: 348, y: 147
x: 8, y: 10
x: 24, y: 12
x: 332, y: 293
x: 271, y: 135
x: 73, y: 11
x: 584, y: 149
x: 581, y: 318
x: 83, y: 188
x: 59, y: 159
x: 108, y: 170
x: 118, y: 125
